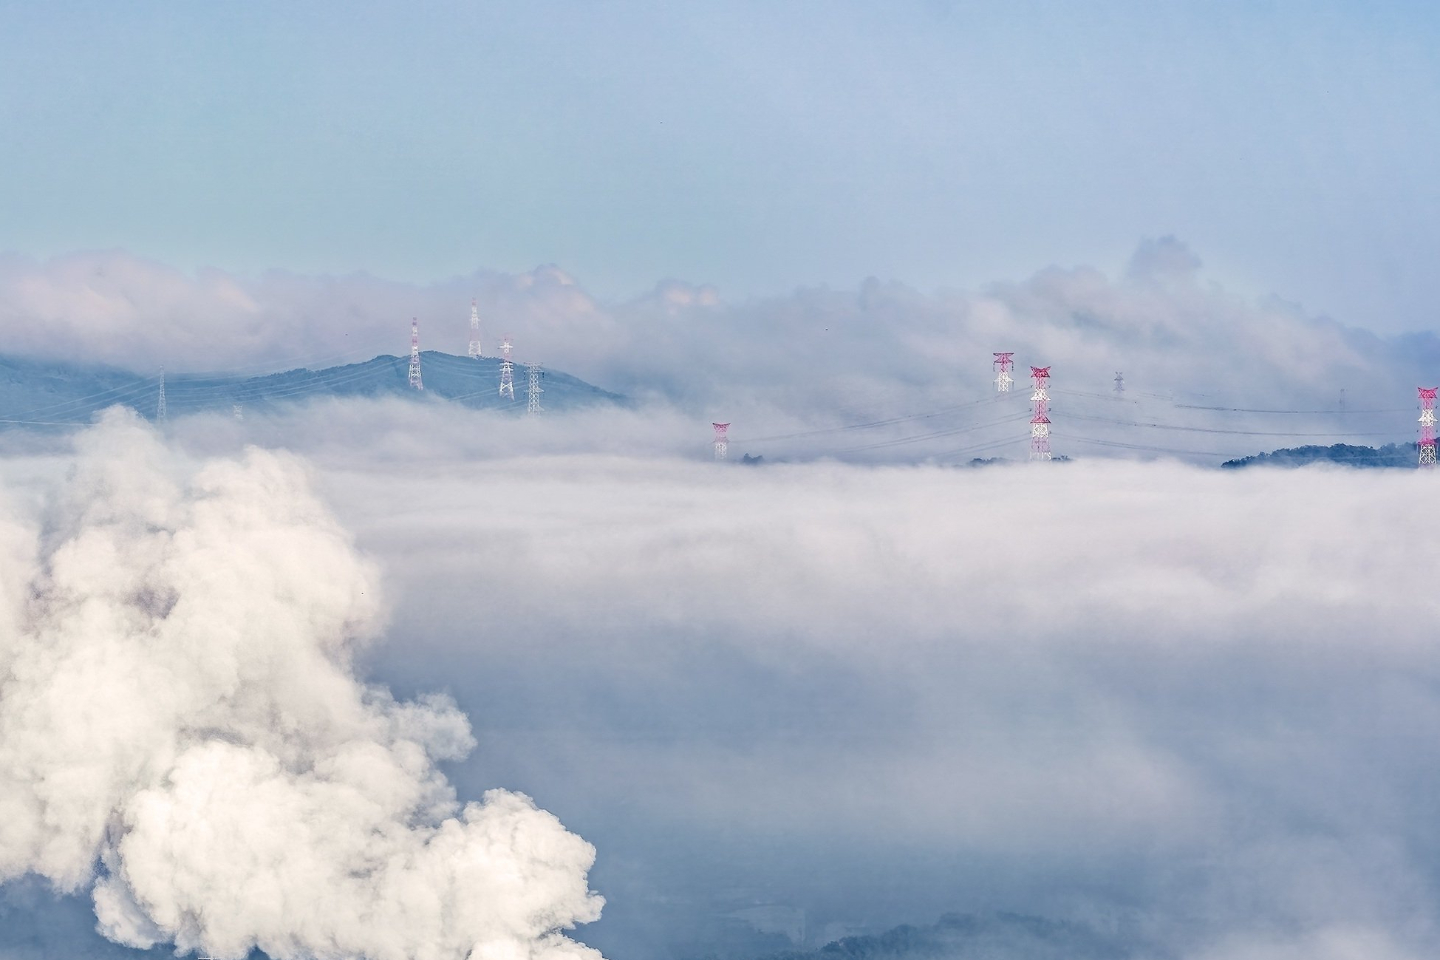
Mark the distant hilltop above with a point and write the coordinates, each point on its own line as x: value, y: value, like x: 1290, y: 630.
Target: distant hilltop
x: 967, y: 937
x: 1390, y: 455
x: 41, y: 393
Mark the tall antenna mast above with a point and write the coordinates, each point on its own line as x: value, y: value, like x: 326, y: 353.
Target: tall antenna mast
x: 160, y: 415
x: 532, y: 389
x: 415, y: 355
x: 1119, y: 382
x: 1427, y: 427
x: 507, y: 369
x: 1040, y: 419
x: 476, y: 350
x: 1004, y: 363
x: 722, y: 441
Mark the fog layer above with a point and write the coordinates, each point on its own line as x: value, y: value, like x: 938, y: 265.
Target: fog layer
x: 1194, y: 706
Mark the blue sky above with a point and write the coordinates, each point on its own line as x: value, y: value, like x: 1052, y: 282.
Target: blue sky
x: 756, y: 146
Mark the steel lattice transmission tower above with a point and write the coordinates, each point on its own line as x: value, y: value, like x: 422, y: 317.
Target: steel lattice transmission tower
x: 507, y: 369
x: 1119, y: 382
x: 1004, y: 363
x: 1427, y: 427
x: 722, y: 440
x: 1040, y: 418
x: 476, y: 349
x: 533, y: 375
x: 160, y: 414
x: 415, y: 355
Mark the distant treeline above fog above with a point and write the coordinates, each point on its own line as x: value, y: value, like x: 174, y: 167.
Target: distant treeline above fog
x: 1003, y: 936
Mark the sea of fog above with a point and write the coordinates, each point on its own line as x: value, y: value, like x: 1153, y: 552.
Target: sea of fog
x: 1190, y: 710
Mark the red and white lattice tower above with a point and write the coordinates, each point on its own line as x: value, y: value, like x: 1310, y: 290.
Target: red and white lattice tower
x: 507, y: 369
x: 722, y: 441
x: 1427, y: 426
x: 1004, y: 363
x: 1040, y: 418
x: 415, y: 355
x: 476, y: 349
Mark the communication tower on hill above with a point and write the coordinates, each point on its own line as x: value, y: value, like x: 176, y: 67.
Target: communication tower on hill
x: 1119, y: 382
x: 415, y: 355
x: 1427, y: 427
x: 1040, y: 418
x: 722, y: 441
x: 533, y: 389
x: 507, y: 369
x: 476, y: 350
x: 1004, y: 363
x: 160, y: 416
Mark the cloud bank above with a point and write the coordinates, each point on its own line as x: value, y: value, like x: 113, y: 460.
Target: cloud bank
x: 1192, y: 709
x: 182, y: 731
x: 820, y: 353
x: 1191, y: 706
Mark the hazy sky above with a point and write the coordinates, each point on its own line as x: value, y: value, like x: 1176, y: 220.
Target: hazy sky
x: 754, y: 146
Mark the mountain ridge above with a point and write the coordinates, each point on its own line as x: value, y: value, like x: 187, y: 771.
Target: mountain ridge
x: 1390, y: 456
x: 49, y: 393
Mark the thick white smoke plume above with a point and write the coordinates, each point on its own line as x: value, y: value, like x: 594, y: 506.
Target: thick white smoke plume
x: 178, y: 713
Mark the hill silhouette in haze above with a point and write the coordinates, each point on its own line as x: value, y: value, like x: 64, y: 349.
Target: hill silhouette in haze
x: 1002, y: 936
x: 1391, y: 455
x: 46, y: 393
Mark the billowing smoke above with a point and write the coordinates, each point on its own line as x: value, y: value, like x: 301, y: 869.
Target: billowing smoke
x: 183, y: 733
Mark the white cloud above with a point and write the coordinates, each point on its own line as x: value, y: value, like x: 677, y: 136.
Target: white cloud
x: 111, y: 307
x: 179, y: 705
x: 823, y: 355
x: 1331, y: 943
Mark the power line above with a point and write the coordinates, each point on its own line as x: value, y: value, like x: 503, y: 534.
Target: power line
x: 1109, y: 398
x: 1245, y: 433
x: 286, y: 364
x: 141, y: 387
x: 317, y: 382
x: 1148, y: 448
x: 870, y: 424
x: 1191, y: 406
x: 979, y: 447
x: 49, y: 423
x: 902, y: 441
x: 134, y: 388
